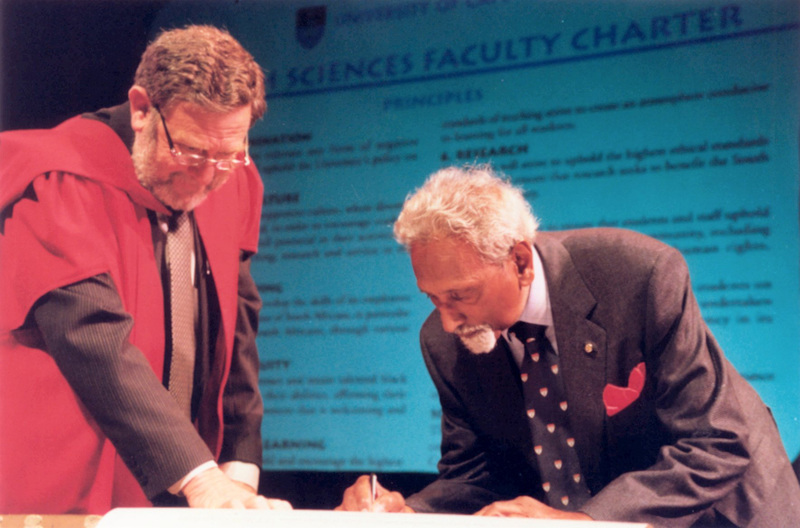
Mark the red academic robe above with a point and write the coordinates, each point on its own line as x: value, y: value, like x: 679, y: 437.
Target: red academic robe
x: 59, y: 229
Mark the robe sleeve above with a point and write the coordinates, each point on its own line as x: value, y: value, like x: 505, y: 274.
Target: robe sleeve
x: 85, y: 329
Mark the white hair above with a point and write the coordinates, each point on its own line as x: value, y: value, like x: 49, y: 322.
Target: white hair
x: 472, y: 203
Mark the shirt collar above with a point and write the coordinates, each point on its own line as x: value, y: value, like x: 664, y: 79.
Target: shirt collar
x: 537, y: 309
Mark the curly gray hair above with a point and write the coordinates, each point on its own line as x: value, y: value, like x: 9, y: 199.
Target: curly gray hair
x: 472, y: 203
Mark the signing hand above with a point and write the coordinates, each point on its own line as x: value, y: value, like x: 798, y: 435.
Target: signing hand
x: 213, y: 489
x: 358, y: 497
x: 528, y: 507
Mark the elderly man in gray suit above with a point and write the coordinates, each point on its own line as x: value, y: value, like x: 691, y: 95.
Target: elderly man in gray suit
x: 622, y: 407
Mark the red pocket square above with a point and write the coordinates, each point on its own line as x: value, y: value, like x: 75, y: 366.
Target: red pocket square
x: 617, y: 398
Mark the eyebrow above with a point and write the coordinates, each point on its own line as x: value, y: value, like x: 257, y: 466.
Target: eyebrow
x: 205, y: 151
x: 462, y: 291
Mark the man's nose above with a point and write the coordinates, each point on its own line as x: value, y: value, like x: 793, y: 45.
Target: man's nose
x: 205, y: 173
x: 451, y: 319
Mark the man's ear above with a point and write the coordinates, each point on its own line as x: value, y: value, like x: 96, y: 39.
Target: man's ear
x: 140, y: 107
x: 522, y: 253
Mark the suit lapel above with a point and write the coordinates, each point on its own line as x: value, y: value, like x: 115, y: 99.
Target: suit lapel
x: 581, y: 349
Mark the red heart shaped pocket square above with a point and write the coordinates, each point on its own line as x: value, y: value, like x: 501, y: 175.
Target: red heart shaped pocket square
x: 617, y: 398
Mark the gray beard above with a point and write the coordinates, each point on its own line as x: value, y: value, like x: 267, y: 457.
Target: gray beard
x: 143, y: 155
x: 479, y: 339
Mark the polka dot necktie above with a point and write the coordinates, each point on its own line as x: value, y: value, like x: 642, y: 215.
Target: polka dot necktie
x: 546, y: 406
x: 182, y: 303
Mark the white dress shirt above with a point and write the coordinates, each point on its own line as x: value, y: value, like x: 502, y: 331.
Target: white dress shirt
x: 537, y: 311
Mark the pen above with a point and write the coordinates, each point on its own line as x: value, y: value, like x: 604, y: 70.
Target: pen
x: 373, y: 487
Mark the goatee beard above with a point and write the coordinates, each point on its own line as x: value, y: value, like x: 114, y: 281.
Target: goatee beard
x: 479, y: 339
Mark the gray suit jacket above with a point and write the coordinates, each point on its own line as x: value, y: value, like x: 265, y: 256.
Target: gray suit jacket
x: 697, y: 447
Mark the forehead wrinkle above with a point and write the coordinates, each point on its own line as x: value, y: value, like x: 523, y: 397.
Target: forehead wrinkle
x: 199, y: 140
x: 447, y: 286
x: 446, y: 265
x: 206, y: 131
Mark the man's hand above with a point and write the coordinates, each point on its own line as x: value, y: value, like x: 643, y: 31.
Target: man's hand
x: 358, y: 497
x: 213, y: 489
x: 529, y: 507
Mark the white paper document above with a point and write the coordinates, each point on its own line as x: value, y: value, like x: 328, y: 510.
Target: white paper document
x: 199, y: 518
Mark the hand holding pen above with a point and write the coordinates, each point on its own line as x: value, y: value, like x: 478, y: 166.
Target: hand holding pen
x: 373, y: 488
x: 368, y: 495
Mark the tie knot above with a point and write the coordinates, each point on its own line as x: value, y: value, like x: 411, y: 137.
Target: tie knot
x: 177, y: 221
x: 526, y: 331
x: 171, y: 223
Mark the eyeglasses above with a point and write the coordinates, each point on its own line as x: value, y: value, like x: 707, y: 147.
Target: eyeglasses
x: 196, y: 160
